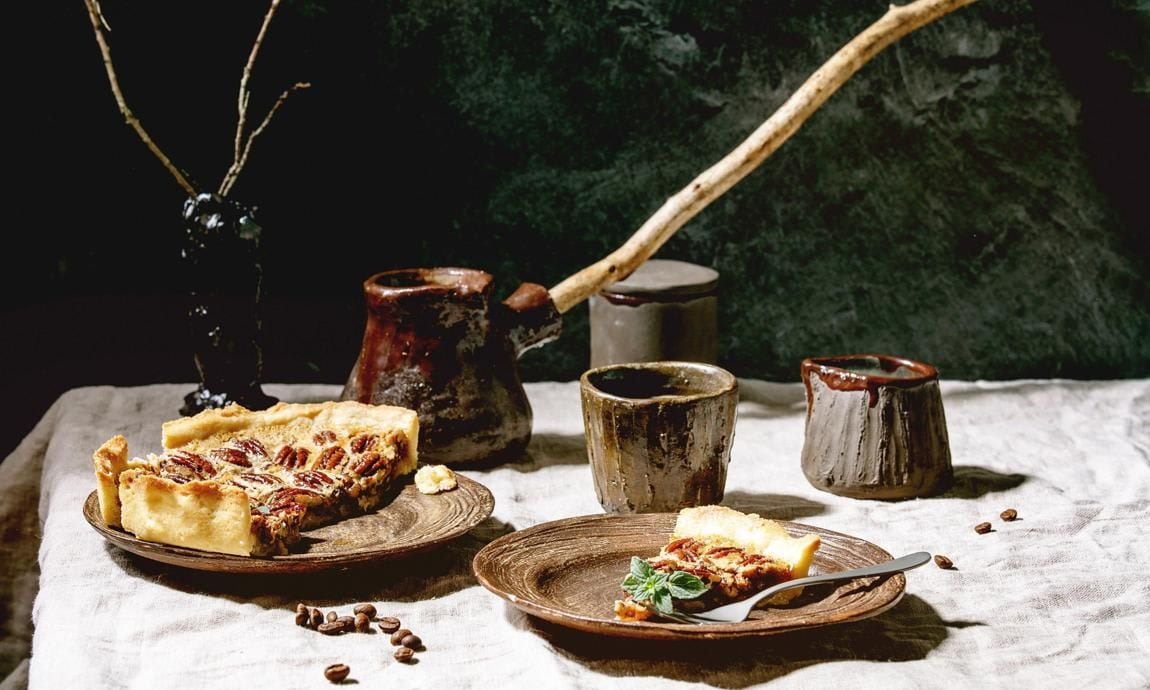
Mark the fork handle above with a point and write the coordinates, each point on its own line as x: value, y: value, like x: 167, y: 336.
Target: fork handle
x: 733, y: 613
x: 897, y: 565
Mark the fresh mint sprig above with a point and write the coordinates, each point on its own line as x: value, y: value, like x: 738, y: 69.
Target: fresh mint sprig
x: 644, y: 583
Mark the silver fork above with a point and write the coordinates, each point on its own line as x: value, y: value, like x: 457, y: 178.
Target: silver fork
x: 738, y: 611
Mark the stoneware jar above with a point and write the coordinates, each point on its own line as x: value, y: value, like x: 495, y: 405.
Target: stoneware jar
x: 665, y: 310
x: 875, y: 427
x: 658, y: 434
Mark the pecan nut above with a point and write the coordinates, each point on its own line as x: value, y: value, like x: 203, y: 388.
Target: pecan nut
x: 251, y: 446
x: 312, y: 479
x: 292, y: 495
x: 330, y: 458
x: 363, y: 442
x: 720, y: 551
x: 292, y: 457
x: 254, y: 479
x: 234, y: 456
x: 285, y: 456
x: 370, y: 464
x: 195, y: 463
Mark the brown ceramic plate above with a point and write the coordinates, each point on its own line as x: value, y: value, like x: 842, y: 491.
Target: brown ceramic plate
x: 568, y: 572
x: 410, y: 523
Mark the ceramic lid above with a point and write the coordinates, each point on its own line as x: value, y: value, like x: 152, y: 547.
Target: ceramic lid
x: 666, y: 278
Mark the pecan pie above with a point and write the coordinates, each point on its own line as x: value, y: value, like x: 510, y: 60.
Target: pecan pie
x: 734, y: 554
x: 246, y: 483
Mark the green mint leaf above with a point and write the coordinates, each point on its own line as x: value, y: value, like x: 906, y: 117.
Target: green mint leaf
x: 683, y: 585
x: 632, y: 585
x: 641, y: 569
x: 661, y: 600
x: 646, y: 590
x: 660, y: 589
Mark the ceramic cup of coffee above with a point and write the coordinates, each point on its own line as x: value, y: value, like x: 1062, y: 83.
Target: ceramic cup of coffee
x: 875, y: 427
x: 658, y: 434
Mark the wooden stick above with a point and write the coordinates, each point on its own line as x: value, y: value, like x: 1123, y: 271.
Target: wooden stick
x: 713, y: 182
x: 96, y: 17
x: 230, y: 180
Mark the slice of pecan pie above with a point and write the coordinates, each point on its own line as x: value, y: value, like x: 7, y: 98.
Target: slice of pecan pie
x: 243, y: 482
x: 735, y: 554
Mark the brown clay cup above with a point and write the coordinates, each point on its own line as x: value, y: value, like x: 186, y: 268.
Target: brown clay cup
x: 875, y: 427
x: 659, y: 434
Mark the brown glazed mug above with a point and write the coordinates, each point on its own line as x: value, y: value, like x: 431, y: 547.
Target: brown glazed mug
x: 875, y: 427
x: 658, y: 434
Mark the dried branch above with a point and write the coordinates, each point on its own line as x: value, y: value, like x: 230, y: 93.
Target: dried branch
x: 97, y: 18
x: 243, y: 148
x: 713, y: 182
x: 103, y: 19
x: 233, y: 172
x: 242, y: 105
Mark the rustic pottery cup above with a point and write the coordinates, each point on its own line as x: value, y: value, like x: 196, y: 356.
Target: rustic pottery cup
x: 875, y: 427
x: 658, y: 434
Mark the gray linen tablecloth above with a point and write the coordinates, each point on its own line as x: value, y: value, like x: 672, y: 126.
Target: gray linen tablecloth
x: 1060, y: 598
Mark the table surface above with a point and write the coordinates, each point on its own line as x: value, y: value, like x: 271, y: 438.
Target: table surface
x: 1059, y: 598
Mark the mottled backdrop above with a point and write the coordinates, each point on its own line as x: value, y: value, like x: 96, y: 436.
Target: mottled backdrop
x: 975, y: 197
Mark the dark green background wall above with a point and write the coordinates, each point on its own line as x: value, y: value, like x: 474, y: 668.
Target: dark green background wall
x: 975, y: 197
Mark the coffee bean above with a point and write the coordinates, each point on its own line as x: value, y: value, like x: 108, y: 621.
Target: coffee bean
x: 316, y: 618
x: 332, y: 628
x: 404, y: 654
x: 388, y: 625
x: 411, y: 641
x: 943, y: 562
x: 398, y: 635
x: 331, y: 616
x: 1009, y: 515
x: 303, y: 619
x: 347, y: 622
x: 366, y: 609
x: 362, y: 622
x: 983, y: 528
x: 301, y: 607
x: 336, y: 673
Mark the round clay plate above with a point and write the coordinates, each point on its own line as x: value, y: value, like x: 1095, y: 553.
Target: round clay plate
x: 569, y: 572
x: 410, y: 523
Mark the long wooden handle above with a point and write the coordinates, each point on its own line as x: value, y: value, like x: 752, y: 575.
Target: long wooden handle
x: 713, y: 182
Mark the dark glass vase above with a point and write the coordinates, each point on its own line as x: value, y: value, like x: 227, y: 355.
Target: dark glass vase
x: 223, y: 274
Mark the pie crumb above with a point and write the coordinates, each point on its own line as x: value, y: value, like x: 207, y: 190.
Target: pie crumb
x: 434, y: 479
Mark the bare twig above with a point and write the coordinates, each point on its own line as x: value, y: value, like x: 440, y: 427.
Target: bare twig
x: 96, y: 17
x: 103, y: 19
x: 242, y: 104
x: 234, y: 171
x: 713, y: 182
x: 242, y: 148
